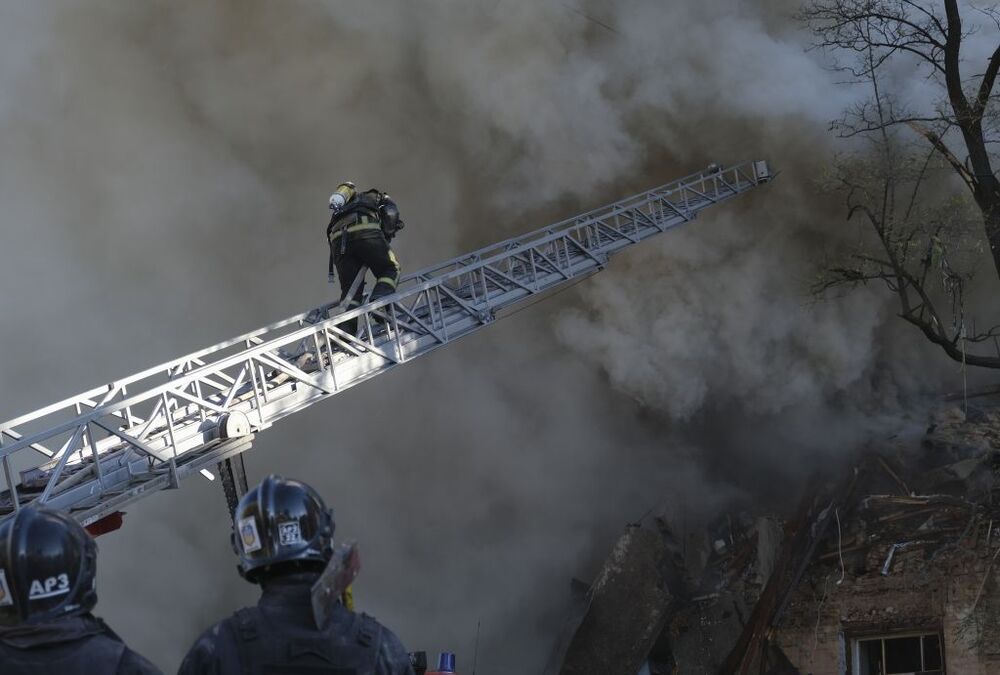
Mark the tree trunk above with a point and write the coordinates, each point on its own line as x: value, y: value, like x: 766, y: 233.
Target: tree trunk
x: 991, y: 221
x: 969, y: 120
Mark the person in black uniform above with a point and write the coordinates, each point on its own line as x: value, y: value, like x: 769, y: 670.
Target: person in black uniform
x: 47, y: 568
x: 283, y: 535
x: 361, y: 226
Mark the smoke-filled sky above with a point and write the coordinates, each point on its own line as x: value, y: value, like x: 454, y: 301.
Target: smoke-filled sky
x: 164, y: 170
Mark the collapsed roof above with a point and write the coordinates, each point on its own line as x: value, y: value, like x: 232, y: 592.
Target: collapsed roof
x: 906, y: 539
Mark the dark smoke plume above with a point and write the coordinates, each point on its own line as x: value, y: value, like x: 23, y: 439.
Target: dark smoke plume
x: 164, y: 172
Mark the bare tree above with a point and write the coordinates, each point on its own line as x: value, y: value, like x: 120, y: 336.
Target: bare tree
x: 924, y: 236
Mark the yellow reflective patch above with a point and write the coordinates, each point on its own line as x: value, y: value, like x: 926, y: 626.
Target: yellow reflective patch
x: 364, y: 225
x: 391, y: 281
x: 347, y: 191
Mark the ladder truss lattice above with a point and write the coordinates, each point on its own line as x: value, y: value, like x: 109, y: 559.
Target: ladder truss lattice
x: 93, y: 453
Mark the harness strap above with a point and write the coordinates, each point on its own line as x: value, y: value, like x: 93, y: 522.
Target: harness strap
x: 364, y: 223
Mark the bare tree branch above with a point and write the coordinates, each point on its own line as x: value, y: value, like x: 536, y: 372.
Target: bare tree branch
x: 943, y: 150
x: 950, y: 348
x: 879, y: 31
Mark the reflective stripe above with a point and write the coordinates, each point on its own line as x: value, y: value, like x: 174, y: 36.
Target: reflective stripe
x: 391, y: 281
x: 365, y: 224
x: 392, y: 257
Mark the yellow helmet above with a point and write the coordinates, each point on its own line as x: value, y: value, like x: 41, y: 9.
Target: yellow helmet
x: 344, y: 193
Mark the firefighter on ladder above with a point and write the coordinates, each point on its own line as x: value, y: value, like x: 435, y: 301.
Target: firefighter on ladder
x: 361, y: 226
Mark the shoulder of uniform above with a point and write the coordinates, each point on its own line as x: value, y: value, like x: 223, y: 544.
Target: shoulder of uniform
x: 218, y: 632
x: 393, y: 658
x: 385, y: 640
x: 101, y: 624
x: 134, y: 663
x: 245, y: 623
x: 206, y: 647
x: 368, y: 630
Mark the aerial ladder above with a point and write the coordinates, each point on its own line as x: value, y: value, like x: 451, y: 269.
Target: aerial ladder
x: 94, y: 453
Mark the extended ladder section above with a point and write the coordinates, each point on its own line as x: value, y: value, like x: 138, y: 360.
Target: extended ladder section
x: 93, y: 453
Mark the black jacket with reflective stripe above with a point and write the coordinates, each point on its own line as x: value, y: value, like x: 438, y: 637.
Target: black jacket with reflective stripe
x: 365, y: 205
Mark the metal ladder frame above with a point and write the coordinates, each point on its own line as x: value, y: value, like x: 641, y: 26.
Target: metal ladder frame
x: 95, y: 452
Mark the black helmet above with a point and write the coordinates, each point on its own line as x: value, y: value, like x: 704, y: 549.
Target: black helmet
x: 281, y: 521
x: 47, y: 567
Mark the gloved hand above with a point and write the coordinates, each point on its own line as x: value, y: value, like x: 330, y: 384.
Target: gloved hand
x: 331, y: 278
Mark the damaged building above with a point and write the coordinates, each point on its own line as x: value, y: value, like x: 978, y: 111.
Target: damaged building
x: 891, y: 569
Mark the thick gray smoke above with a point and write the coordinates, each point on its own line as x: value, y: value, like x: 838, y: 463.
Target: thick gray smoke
x: 164, y: 168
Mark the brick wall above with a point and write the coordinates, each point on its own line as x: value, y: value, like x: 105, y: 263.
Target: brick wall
x: 920, y: 594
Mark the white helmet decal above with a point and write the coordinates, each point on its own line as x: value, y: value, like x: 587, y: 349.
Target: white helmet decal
x: 49, y: 587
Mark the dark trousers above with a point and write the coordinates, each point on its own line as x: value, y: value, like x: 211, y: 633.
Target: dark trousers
x: 371, y: 251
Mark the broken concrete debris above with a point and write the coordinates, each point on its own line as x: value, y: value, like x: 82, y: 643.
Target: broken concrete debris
x: 891, y: 570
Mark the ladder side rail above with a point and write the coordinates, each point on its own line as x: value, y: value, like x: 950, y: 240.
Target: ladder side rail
x: 302, y: 332
x: 176, y: 389
x: 88, y: 510
x: 357, y: 381
x: 117, y: 477
x: 738, y: 172
x: 493, y: 262
x: 555, y: 256
x: 504, y: 255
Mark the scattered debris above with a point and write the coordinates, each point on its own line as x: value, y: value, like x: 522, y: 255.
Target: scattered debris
x: 905, y: 546
x: 627, y: 608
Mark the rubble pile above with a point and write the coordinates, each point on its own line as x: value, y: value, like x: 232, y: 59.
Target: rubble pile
x: 903, y: 549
